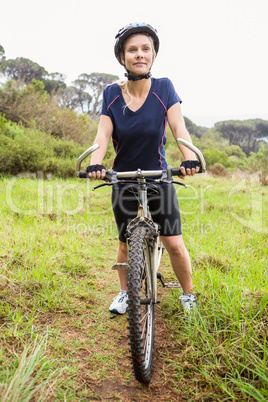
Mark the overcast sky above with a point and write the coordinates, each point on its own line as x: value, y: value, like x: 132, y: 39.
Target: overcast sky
x: 214, y: 51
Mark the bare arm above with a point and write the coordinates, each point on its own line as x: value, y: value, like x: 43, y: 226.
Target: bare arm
x: 104, y: 133
x: 179, y: 130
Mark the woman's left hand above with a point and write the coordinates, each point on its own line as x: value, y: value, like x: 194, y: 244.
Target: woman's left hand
x: 190, y: 168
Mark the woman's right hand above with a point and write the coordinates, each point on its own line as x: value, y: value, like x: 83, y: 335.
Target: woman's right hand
x: 96, y: 172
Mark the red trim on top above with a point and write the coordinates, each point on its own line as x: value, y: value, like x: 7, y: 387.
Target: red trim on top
x: 160, y: 101
x: 115, y: 150
x: 160, y: 162
x: 118, y: 96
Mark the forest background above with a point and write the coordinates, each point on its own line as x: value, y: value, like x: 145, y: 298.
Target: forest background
x: 45, y: 125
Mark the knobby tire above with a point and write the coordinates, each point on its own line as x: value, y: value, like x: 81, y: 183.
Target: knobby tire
x: 141, y: 315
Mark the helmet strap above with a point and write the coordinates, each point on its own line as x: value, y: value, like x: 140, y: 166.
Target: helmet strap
x: 138, y: 77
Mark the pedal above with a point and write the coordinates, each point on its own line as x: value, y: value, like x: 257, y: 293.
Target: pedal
x: 120, y: 266
x: 160, y: 277
x: 173, y: 285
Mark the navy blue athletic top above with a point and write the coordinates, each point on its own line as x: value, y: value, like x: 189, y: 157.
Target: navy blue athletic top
x: 139, y: 137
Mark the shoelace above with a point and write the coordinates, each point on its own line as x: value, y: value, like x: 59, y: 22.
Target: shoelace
x: 121, y: 298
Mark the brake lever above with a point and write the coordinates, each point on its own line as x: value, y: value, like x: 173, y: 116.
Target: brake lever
x: 180, y: 183
x: 103, y: 184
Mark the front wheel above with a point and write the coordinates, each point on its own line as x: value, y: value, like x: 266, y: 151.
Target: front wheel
x: 141, y: 307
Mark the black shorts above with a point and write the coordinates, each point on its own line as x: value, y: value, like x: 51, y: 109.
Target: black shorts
x: 163, y: 205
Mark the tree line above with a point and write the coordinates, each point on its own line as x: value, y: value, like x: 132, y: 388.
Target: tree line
x: 37, y: 108
x: 84, y: 95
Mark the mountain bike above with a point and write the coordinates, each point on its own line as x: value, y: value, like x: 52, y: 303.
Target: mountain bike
x: 144, y: 256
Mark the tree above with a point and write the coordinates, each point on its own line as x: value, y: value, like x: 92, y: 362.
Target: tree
x: 22, y: 69
x: 193, y: 128
x: 67, y: 98
x: 94, y: 84
x: 239, y: 134
x: 81, y: 96
x: 262, y: 130
x: 2, y: 54
x: 53, y: 82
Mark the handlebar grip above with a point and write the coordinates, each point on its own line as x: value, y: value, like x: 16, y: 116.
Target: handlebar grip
x: 176, y: 172
x: 83, y: 175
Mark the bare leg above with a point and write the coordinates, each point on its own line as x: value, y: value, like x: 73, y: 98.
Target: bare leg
x: 121, y: 258
x: 180, y: 261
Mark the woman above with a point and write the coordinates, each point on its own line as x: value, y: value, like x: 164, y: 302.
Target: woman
x: 134, y: 114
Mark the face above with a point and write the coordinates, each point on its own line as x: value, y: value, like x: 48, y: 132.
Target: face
x: 138, y: 54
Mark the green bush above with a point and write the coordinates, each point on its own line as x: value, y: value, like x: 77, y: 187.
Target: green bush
x: 23, y: 149
x: 12, y: 130
x: 213, y: 156
x: 258, y: 162
x: 3, y: 120
x: 32, y: 106
x: 63, y: 168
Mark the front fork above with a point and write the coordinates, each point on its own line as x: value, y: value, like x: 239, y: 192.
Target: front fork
x: 156, y: 255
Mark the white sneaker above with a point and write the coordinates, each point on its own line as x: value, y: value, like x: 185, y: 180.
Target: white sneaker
x: 119, y: 305
x: 188, y: 302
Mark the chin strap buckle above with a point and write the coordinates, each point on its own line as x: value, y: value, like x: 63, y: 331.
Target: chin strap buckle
x: 137, y: 77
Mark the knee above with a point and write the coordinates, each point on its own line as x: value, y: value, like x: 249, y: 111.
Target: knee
x: 175, y: 246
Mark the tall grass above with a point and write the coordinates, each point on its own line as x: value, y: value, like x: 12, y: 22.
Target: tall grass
x: 226, y: 340
x: 58, y: 242
x: 22, y: 384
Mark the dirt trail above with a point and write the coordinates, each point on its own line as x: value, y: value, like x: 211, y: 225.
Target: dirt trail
x: 116, y: 388
x: 119, y: 384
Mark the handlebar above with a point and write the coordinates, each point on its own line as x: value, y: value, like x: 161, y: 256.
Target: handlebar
x: 197, y: 151
x: 84, y: 156
x: 166, y: 175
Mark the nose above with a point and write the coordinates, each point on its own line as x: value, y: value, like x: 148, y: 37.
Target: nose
x: 140, y: 53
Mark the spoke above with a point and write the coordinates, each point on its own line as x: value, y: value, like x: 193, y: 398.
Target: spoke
x: 145, y: 315
x: 144, y: 325
x: 143, y: 318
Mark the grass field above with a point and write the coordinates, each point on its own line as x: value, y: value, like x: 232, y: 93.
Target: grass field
x: 58, y: 343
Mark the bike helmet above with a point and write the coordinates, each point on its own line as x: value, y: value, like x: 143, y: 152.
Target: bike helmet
x: 132, y: 29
